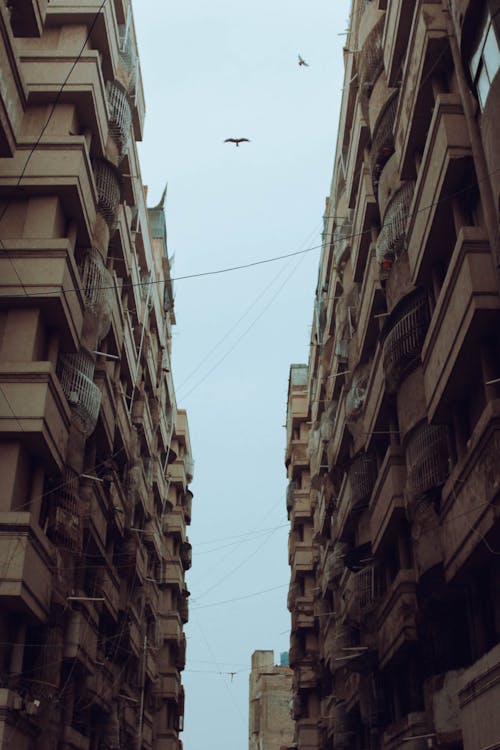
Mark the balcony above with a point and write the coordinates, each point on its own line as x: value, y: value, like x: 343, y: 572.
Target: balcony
x: 382, y: 146
x: 177, y: 475
x: 375, y: 393
x: 397, y: 617
x: 305, y: 675
x: 427, y: 459
x: 170, y: 627
x: 334, y: 564
x: 81, y: 638
x: 371, y: 303
x: 392, y: 238
x: 35, y: 411
x: 387, y: 504
x: 467, y: 308
x: 45, y: 74
x: 445, y: 168
x: 97, y: 284
x: 173, y: 574
x: 109, y: 588
x: 47, y: 268
x: 361, y: 475
x: 168, y: 684
x: 107, y: 412
x: 25, y: 586
x: 120, y: 116
x: 174, y: 524
x: 371, y: 64
x: 108, y: 186
x: 360, y: 136
x: 303, y: 613
x: 301, y: 558
x: 133, y: 560
x: 65, y: 522
x: 479, y: 695
x: 397, y: 27
x: 99, y: 686
x: 365, y: 216
x: 12, y: 89
x: 427, y: 55
x: 186, y: 555
x: 63, y: 163
x: 403, y: 337
x: 464, y: 520
x: 84, y: 397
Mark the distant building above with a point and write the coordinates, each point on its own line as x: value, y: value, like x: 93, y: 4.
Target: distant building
x: 95, y: 456
x: 271, y: 727
x: 393, y: 426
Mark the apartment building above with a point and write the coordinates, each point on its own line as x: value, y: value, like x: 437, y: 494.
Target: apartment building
x: 393, y: 426
x: 270, y: 693
x: 95, y: 456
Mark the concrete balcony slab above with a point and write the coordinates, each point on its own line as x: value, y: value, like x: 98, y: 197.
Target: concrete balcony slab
x: 468, y: 307
x: 35, y: 411
x: 25, y: 586
x: 444, y: 169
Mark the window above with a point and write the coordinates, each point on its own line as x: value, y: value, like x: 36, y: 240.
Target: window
x: 485, y: 60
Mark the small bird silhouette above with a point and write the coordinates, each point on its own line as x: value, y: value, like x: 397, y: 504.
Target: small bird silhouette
x: 237, y: 141
x: 302, y: 61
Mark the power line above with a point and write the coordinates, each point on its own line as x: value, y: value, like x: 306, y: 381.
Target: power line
x: 240, y: 598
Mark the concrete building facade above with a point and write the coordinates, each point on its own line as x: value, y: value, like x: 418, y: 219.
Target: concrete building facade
x: 270, y: 694
x: 95, y: 456
x: 393, y: 426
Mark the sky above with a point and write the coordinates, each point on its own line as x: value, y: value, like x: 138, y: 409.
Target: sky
x: 213, y: 71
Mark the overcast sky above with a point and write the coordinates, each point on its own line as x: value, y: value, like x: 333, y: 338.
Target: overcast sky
x: 212, y: 71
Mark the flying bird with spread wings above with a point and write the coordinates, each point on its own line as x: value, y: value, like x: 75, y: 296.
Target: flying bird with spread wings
x: 237, y: 141
x: 302, y: 61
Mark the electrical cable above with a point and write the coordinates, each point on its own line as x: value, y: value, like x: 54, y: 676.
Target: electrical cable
x: 245, y: 332
x: 249, y: 309
x: 240, y: 598
x: 263, y: 261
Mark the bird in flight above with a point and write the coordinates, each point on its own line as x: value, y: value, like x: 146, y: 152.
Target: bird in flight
x: 237, y: 141
x: 302, y: 61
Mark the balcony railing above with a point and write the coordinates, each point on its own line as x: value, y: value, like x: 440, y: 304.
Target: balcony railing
x: 334, y: 564
x: 65, y: 524
x: 76, y: 372
x: 391, y: 239
x: 355, y: 398
x: 427, y: 458
x: 371, y: 64
x: 97, y: 284
x: 403, y: 342
x: 108, y: 191
x: 362, y: 473
x: 120, y: 115
x: 128, y: 54
x: 383, y: 138
x: 342, y: 243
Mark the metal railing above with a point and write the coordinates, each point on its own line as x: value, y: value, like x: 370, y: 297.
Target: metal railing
x: 361, y: 474
x: 391, y: 239
x: 383, y: 139
x: 65, y: 513
x: 120, y: 115
x: 108, y: 191
x: 371, y: 64
x: 76, y: 372
x: 427, y: 458
x: 403, y: 342
x: 97, y: 284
